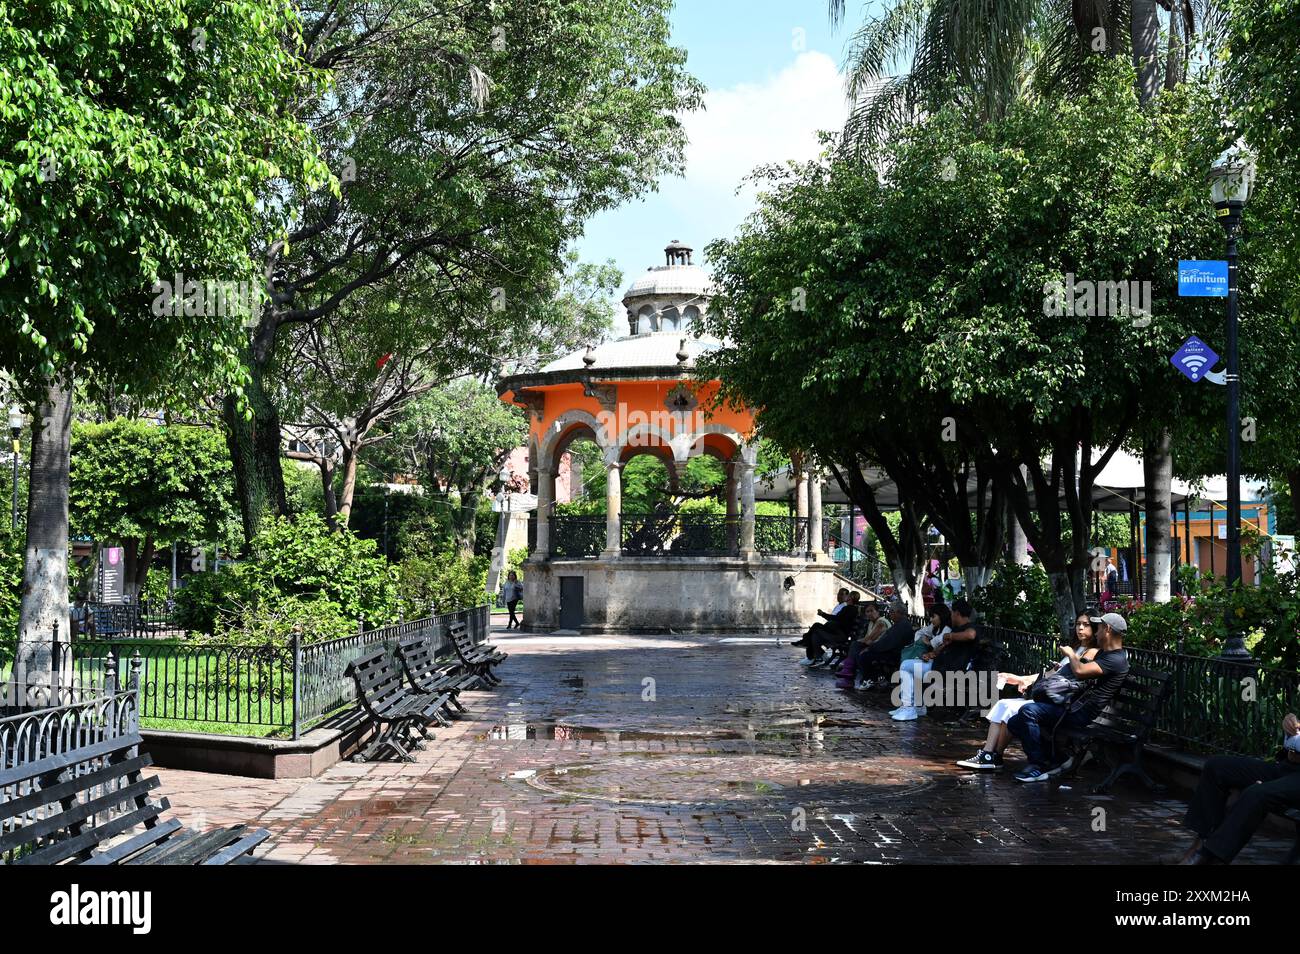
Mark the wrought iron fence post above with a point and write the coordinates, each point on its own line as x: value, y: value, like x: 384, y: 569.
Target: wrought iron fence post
x: 297, y: 672
x: 137, y: 663
x: 110, y: 685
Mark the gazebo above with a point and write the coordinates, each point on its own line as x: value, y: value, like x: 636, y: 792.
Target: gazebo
x: 668, y: 570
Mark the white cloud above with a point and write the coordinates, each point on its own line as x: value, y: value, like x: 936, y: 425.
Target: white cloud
x: 741, y: 127
x: 751, y: 124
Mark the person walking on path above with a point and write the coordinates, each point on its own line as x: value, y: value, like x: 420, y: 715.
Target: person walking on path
x: 512, y: 592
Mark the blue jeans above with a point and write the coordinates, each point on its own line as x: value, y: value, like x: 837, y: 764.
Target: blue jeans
x: 1033, y: 726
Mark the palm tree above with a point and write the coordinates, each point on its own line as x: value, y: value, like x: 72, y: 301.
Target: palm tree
x: 985, y: 54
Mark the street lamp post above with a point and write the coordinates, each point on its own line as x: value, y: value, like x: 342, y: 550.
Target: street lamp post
x: 1231, y: 179
x: 16, y: 430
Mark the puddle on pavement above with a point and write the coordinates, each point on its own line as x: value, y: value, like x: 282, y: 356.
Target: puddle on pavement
x: 797, y: 731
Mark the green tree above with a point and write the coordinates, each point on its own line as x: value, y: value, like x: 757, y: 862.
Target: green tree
x: 135, y: 139
x: 146, y: 487
x: 471, y: 141
x: 948, y: 283
x: 456, y: 439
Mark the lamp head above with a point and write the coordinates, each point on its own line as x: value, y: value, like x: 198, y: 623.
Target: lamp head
x: 15, y: 420
x: 1232, y: 177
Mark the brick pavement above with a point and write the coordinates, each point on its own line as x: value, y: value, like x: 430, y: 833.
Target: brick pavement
x: 684, y: 749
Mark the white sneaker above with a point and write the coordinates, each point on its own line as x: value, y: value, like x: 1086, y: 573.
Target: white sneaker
x: 808, y: 662
x: 907, y: 714
x: 862, y: 685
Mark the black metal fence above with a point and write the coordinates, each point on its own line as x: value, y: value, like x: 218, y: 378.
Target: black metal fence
x: 1215, y: 705
x: 221, y: 684
x: 676, y: 533
x: 41, y: 733
x: 124, y: 620
x: 574, y: 537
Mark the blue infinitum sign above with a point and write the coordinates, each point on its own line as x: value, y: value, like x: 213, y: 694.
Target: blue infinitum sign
x: 1194, y: 358
x: 1203, y: 279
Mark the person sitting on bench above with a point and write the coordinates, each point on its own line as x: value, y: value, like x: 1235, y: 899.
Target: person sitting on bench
x: 989, y: 757
x: 841, y: 600
x: 837, y: 629
x: 1264, y: 787
x: 1036, y: 722
x: 882, y: 653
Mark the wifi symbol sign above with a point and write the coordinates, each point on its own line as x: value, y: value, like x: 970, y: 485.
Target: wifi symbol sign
x: 1194, y: 358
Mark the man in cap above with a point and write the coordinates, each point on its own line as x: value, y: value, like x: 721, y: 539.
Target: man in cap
x: 1101, y: 677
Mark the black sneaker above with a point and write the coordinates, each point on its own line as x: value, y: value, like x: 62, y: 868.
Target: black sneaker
x: 983, y: 761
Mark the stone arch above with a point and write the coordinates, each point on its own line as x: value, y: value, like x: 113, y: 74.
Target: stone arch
x: 564, y: 430
x: 645, y: 320
x: 690, y: 317
x: 722, y: 441
x: 670, y: 319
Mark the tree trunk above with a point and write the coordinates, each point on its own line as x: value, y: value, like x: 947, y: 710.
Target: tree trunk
x: 1158, y: 475
x: 907, y: 590
x: 1174, y: 58
x: 1146, y: 48
x: 1293, y: 482
x: 43, y: 612
x: 345, y: 498
x: 467, y: 521
x: 974, y: 577
x: 138, y: 556
x: 331, y: 498
x: 1017, y: 542
x: 255, y: 454
x: 1063, y: 600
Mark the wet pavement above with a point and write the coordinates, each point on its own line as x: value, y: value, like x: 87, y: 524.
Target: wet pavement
x: 686, y: 749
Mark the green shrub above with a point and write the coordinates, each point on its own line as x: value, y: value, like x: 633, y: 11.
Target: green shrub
x: 272, y: 621
x: 1017, y: 597
x: 302, y: 559
x: 442, y: 583
x: 11, y: 582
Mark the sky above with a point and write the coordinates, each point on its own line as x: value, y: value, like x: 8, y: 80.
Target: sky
x: 773, y: 69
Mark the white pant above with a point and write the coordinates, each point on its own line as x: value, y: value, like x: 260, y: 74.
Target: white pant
x: 1004, y: 709
x: 909, y: 674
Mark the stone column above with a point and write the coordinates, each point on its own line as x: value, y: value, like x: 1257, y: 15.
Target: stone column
x: 746, y: 473
x: 800, y: 508
x: 733, y: 507
x: 816, y: 543
x: 613, y: 510
x: 545, y: 504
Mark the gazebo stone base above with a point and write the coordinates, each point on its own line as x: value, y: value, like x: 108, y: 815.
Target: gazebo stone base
x: 717, y: 594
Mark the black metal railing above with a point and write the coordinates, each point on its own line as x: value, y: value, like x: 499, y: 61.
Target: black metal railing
x: 1214, y: 706
x: 181, y: 683
x: 322, y: 684
x: 197, y: 681
x: 124, y: 620
x: 574, y: 537
x: 781, y: 534
x: 42, y: 733
x: 683, y: 534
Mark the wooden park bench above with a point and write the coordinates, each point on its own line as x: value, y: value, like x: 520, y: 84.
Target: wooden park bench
x: 401, y: 715
x: 478, y: 660
x: 1126, y: 722
x: 1293, y: 814
x: 70, y: 808
x: 428, y: 674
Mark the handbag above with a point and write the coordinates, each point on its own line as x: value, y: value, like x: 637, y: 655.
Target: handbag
x: 1055, y: 688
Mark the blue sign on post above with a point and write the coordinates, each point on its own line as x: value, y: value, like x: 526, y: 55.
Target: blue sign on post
x: 1203, y: 279
x: 1194, y: 358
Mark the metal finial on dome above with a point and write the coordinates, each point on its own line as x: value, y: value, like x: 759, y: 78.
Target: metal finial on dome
x: 589, y: 359
x: 677, y: 254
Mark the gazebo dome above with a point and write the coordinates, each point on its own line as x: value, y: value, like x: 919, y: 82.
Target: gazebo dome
x: 668, y: 297
x: 658, y: 350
